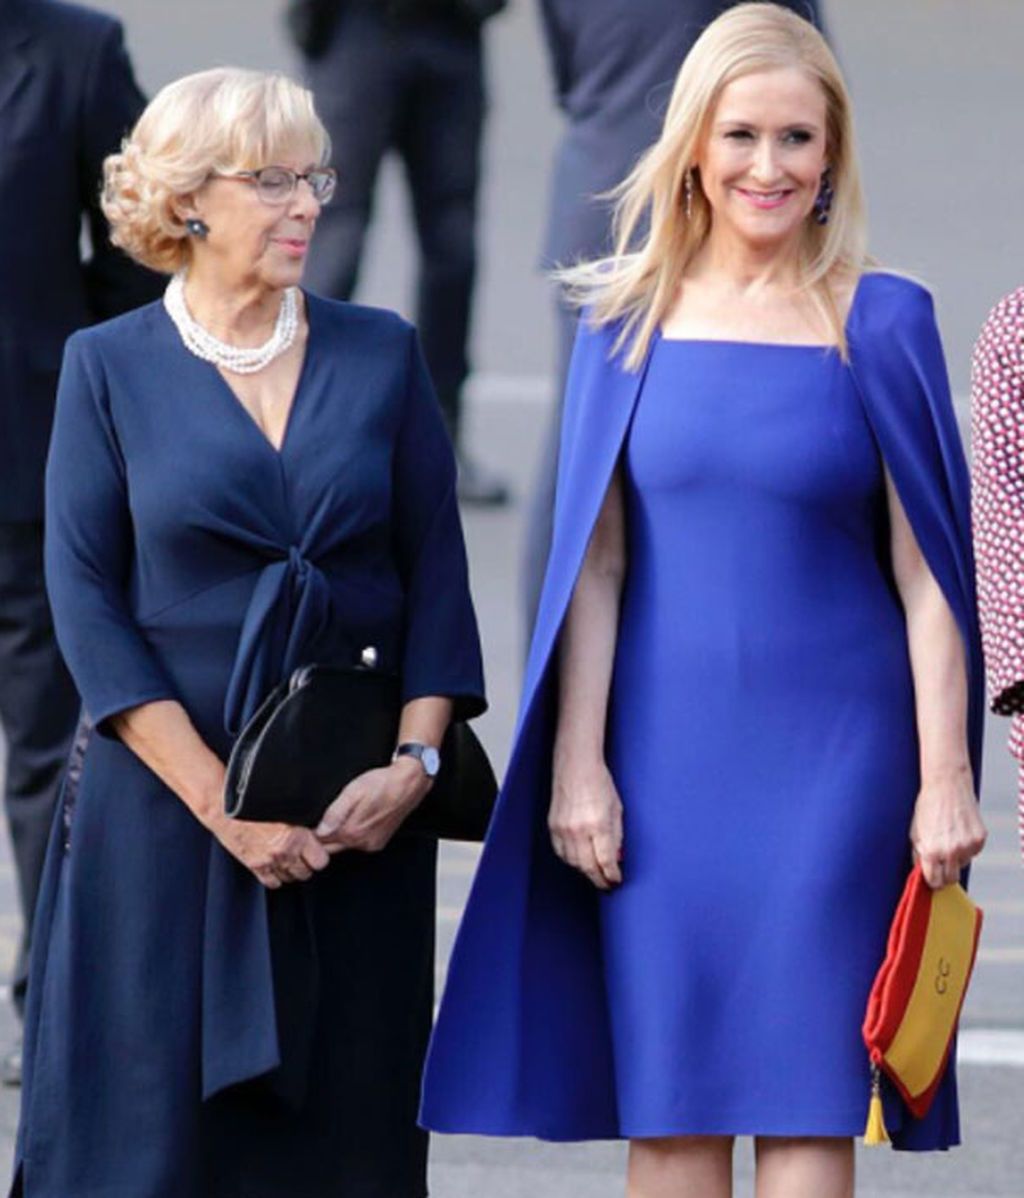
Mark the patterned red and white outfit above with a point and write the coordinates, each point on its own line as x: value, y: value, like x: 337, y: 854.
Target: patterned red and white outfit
x: 997, y: 433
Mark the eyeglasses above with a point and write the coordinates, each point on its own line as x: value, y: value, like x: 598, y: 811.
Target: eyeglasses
x: 277, y: 184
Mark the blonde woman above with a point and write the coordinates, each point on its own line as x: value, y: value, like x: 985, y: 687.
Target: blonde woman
x: 753, y: 688
x: 243, y: 479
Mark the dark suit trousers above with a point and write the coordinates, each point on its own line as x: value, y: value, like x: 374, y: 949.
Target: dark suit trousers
x: 38, y: 712
x: 415, y: 88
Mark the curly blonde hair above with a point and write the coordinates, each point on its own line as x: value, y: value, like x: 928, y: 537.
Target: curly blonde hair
x: 655, y: 238
x: 225, y: 119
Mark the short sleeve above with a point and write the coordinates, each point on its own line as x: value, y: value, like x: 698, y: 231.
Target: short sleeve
x: 441, y: 651
x: 89, y: 549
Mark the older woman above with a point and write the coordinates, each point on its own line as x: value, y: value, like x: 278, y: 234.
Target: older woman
x: 243, y: 479
x: 997, y: 427
x: 753, y: 687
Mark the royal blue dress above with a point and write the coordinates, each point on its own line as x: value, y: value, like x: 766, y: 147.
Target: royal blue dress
x: 188, y: 1032
x: 761, y: 732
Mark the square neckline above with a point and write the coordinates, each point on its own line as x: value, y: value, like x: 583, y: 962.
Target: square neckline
x: 733, y: 342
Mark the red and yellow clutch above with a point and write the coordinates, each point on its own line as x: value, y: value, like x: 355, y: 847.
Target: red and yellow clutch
x: 917, y: 995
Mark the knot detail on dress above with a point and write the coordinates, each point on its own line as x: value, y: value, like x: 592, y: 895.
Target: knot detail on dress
x: 289, y: 609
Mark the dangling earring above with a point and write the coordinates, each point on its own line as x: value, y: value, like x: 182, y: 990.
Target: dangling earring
x: 198, y: 228
x: 823, y: 201
x: 689, y: 195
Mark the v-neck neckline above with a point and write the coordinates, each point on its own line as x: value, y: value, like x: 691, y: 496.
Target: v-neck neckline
x: 229, y: 392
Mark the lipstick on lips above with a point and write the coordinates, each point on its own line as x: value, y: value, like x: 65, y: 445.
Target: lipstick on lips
x: 294, y: 246
x: 765, y: 200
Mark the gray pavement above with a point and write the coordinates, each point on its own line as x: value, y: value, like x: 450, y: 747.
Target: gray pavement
x: 939, y: 92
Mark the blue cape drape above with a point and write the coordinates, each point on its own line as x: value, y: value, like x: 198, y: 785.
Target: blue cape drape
x: 522, y: 1044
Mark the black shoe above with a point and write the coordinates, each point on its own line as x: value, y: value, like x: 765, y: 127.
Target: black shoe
x: 10, y: 1065
x: 475, y: 485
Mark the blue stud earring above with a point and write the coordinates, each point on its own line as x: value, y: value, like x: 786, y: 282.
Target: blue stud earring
x: 825, y: 196
x: 198, y: 228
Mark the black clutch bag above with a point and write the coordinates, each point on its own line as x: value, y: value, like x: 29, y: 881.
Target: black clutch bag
x: 325, y: 726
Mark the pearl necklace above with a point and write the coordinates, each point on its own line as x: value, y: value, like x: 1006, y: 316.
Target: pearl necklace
x: 235, y: 358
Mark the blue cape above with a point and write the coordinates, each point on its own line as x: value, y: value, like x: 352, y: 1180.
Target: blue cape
x: 522, y: 1043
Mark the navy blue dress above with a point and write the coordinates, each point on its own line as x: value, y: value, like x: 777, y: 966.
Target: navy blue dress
x: 188, y: 1032
x: 761, y: 730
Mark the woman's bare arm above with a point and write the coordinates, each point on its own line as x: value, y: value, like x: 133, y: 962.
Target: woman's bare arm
x: 947, y: 830
x: 585, y: 816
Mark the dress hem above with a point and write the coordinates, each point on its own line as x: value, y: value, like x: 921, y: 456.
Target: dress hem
x: 839, y: 1125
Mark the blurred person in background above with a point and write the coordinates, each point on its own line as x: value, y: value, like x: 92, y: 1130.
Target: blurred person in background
x: 407, y: 76
x: 242, y: 480
x: 613, y: 64
x: 997, y: 435
x: 67, y: 96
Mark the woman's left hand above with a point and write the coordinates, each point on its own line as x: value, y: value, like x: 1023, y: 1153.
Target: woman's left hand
x: 371, y: 808
x: 947, y: 829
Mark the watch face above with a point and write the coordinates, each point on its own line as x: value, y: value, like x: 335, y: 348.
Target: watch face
x: 431, y: 761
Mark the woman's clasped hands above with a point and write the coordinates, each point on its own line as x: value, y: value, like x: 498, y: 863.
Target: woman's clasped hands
x: 371, y: 808
x: 364, y: 817
x: 275, y: 853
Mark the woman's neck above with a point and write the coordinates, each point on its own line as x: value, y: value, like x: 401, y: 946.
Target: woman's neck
x: 735, y: 264
x: 243, y: 314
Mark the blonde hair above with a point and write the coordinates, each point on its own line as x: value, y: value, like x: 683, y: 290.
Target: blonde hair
x: 220, y: 120
x: 654, y: 239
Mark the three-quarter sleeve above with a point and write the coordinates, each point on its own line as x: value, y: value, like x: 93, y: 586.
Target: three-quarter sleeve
x: 997, y: 434
x: 441, y: 645
x: 89, y: 548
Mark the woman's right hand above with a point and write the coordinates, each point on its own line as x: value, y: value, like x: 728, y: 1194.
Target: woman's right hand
x: 585, y: 822
x: 161, y: 734
x: 274, y: 853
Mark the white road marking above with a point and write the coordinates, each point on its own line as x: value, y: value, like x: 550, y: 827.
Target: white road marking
x: 1003, y: 955
x: 991, y: 1046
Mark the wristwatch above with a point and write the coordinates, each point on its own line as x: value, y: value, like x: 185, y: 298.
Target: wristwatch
x: 426, y: 755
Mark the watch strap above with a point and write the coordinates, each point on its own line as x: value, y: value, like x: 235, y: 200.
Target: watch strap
x: 426, y: 755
